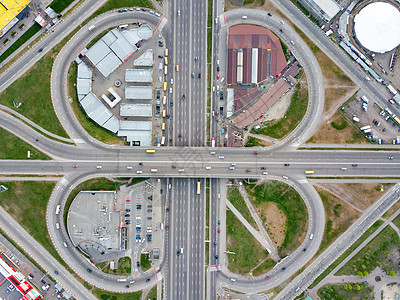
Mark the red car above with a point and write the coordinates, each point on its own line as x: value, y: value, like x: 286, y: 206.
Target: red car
x: 255, y: 153
x: 74, y: 166
x: 218, y: 76
x: 262, y: 116
x: 166, y: 227
x: 267, y: 277
x: 219, y: 230
x: 281, y: 29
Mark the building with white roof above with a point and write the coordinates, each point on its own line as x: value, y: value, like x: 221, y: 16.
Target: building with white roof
x: 139, y: 75
x: 135, y: 110
x: 138, y: 92
x: 323, y: 9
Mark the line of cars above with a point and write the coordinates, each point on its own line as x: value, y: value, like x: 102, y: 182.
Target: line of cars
x: 139, y: 9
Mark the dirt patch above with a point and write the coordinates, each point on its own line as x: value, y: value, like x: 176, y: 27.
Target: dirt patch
x: 275, y: 221
x: 327, y: 134
x: 390, y: 292
x: 360, y: 195
x: 336, y: 96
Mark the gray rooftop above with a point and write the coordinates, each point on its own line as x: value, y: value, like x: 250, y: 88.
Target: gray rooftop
x: 136, y: 110
x: 93, y: 220
x: 146, y: 59
x: 139, y: 75
x: 138, y: 92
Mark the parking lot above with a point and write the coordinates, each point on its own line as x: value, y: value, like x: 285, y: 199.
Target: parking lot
x: 383, y: 129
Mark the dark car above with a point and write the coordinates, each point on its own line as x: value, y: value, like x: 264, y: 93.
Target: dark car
x: 148, y: 279
x: 199, y: 75
x: 248, y: 170
x: 42, y: 281
x: 160, y: 56
x: 304, y: 250
x: 138, y: 264
x: 354, y: 165
x: 178, y: 253
x: 40, y: 50
x: 263, y: 168
x: 192, y: 75
x: 161, y: 191
x: 90, y: 271
x: 216, y: 256
x: 283, y: 269
x: 179, y: 136
x: 55, y: 272
x: 286, y: 165
x: 127, y: 210
x: 183, y: 97
x: 269, y: 14
x: 127, y: 286
x: 140, y: 164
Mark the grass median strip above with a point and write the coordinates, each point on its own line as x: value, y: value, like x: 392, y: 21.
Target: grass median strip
x: 238, y: 202
x: 15, y: 148
x: 124, y: 267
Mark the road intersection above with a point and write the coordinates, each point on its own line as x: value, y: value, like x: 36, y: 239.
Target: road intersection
x: 185, y: 273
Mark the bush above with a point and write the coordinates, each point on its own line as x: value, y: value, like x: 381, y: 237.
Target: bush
x: 392, y: 273
x: 359, y: 273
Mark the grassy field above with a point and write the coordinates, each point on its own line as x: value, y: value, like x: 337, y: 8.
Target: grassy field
x: 124, y: 267
x: 248, y: 252
x: 292, y: 206
x: 346, y: 292
x: 255, y: 142
x: 88, y: 124
x: 396, y: 221
x: 33, y: 90
x: 337, y: 131
x: 298, y: 107
x: 60, y: 5
x: 26, y: 202
x: 95, y: 184
x: 115, y: 4
x: 339, y: 217
x: 104, y: 295
x: 15, y: 148
x: 145, y: 263
x: 381, y: 252
x: 347, y: 252
x: 268, y: 264
x: 21, y: 40
x: 152, y: 294
x: 237, y: 200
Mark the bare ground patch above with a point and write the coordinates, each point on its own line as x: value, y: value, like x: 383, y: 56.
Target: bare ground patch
x: 274, y: 221
x: 361, y: 195
x: 327, y: 134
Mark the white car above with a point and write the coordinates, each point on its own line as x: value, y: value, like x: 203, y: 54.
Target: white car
x: 139, y: 172
x: 99, y: 167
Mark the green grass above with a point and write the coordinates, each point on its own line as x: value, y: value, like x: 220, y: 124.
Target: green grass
x: 26, y: 202
x: 253, y: 142
x: 145, y: 263
x: 341, y: 126
x: 267, y: 265
x: 347, y: 252
x: 152, y: 294
x: 60, y: 5
x: 115, y: 4
x: 33, y: 90
x: 345, y: 292
x: 22, y: 39
x: 305, y: 11
x: 290, y: 203
x: 248, y: 252
x: 298, y: 107
x: 238, y: 202
x: 334, y: 228
x: 396, y: 221
x: 15, y: 148
x: 104, y: 295
x: 124, y: 267
x: 88, y: 124
x: 95, y: 184
x: 382, y: 251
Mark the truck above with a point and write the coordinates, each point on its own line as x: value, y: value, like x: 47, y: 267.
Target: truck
x: 364, y: 99
x: 365, y: 127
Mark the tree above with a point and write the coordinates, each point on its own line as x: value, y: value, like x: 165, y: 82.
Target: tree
x: 359, y: 273
x: 392, y: 273
x: 350, y: 287
x: 357, y: 287
x: 363, y: 266
x: 365, y: 273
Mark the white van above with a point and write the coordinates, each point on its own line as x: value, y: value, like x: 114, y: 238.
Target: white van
x: 285, y: 177
x: 244, y: 17
x: 208, y: 168
x: 91, y: 27
x: 57, y: 226
x: 139, y: 172
x: 153, y: 170
x: 181, y: 170
x: 181, y: 250
x: 129, y: 168
x: 65, y: 244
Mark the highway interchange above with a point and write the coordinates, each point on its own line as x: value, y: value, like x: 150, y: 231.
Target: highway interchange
x: 185, y: 35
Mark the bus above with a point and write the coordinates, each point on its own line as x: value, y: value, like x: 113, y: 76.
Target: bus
x: 150, y: 151
x: 165, y: 86
x: 309, y: 172
x: 198, y: 187
x: 166, y: 61
x: 166, y: 52
x: 164, y: 113
x: 58, y: 209
x: 163, y: 126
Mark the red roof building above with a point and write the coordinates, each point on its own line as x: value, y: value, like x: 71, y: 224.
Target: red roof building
x: 254, y: 54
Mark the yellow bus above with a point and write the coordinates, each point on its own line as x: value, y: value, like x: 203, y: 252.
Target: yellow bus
x: 166, y: 61
x: 150, y: 151
x: 309, y: 172
x: 198, y: 187
x: 163, y: 126
x: 166, y: 52
x: 164, y: 113
x: 165, y: 86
